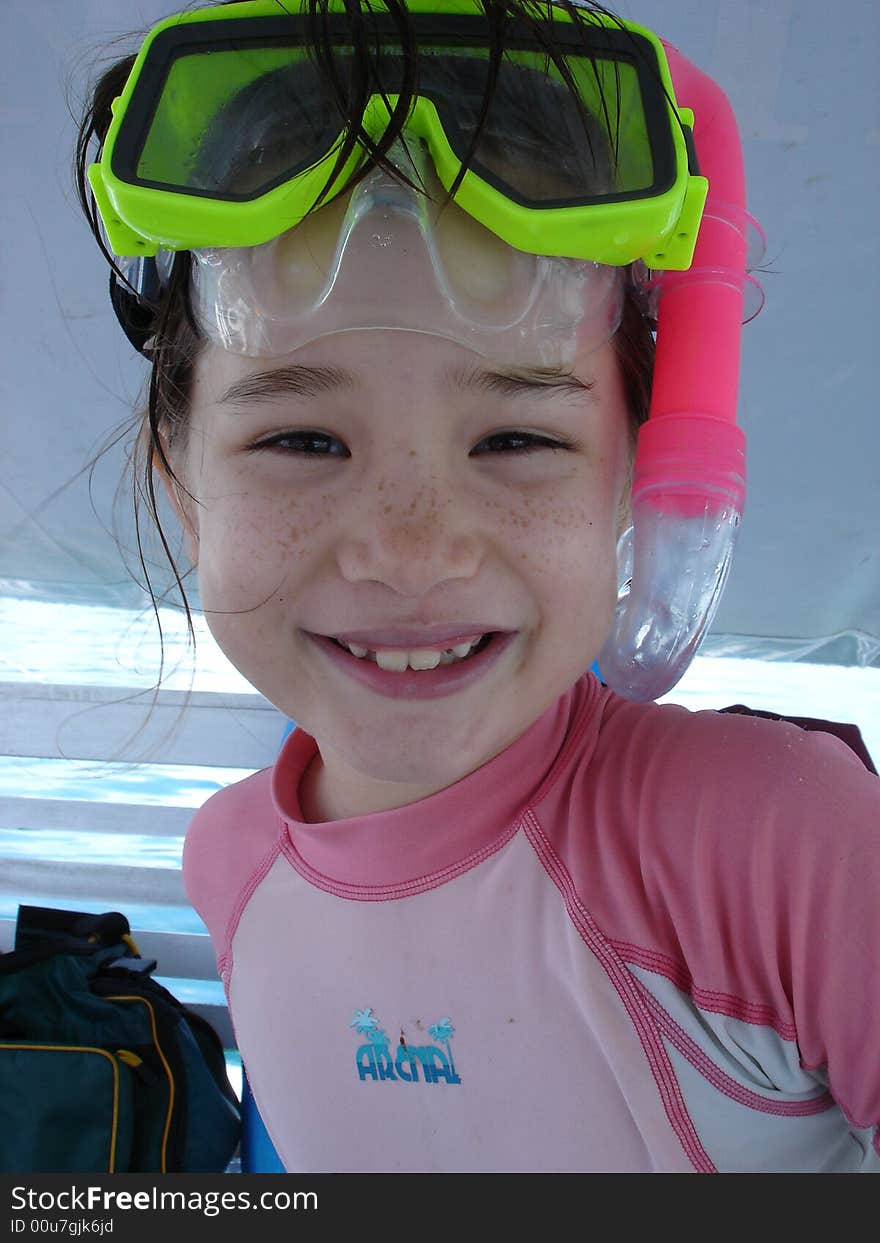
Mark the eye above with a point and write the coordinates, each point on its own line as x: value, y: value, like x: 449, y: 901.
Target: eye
x: 517, y: 442
x: 307, y: 443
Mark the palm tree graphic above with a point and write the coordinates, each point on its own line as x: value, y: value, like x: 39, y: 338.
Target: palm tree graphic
x: 443, y: 1031
x: 364, y: 1021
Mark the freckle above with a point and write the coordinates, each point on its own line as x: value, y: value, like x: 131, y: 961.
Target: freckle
x: 380, y: 486
x: 412, y: 453
x: 294, y: 533
x: 386, y: 509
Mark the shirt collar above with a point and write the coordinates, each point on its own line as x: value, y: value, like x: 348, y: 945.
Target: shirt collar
x: 437, y: 836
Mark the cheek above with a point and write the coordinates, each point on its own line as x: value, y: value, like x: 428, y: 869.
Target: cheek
x: 569, y: 534
x: 563, y: 552
x: 251, y: 548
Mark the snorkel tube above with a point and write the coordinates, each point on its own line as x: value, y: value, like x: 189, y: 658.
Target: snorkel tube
x: 688, y: 489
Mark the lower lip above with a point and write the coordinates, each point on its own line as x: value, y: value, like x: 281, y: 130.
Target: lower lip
x: 416, y: 683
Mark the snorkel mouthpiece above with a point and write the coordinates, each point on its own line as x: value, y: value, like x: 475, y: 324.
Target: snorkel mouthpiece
x: 673, y: 562
x: 689, y: 476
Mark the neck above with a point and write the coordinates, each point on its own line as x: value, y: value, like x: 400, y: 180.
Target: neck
x: 333, y: 791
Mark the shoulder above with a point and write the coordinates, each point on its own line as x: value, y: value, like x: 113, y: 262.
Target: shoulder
x: 757, y: 797
x: 230, y: 838
x: 662, y: 765
x: 742, y: 769
x: 220, y: 816
x: 661, y: 769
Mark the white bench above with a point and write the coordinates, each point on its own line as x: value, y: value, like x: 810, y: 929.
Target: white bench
x: 85, y: 836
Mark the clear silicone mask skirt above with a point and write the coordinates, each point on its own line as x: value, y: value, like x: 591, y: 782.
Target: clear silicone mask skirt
x: 386, y: 255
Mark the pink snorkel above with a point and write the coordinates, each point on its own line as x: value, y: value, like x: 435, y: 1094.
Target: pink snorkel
x: 689, y: 477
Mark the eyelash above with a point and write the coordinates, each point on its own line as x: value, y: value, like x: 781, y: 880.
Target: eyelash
x: 302, y: 438
x: 529, y: 442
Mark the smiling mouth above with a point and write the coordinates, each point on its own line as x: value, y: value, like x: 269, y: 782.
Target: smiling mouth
x: 401, y: 660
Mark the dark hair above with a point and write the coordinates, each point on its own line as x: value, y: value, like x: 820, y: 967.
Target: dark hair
x: 174, y: 340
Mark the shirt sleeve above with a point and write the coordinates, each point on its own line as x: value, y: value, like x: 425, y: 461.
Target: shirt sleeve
x: 230, y: 842
x: 740, y: 857
x: 785, y: 862
x: 821, y: 847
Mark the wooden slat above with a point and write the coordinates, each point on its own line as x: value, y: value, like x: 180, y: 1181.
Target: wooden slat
x: 79, y: 722
x: 108, y: 886
x: 184, y: 955
x: 78, y: 815
x: 87, y: 723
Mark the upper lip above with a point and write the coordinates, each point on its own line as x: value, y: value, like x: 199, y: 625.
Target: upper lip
x: 411, y: 638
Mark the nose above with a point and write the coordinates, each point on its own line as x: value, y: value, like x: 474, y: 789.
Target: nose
x: 411, y: 538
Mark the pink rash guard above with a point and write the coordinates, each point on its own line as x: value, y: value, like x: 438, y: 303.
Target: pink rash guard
x: 640, y: 939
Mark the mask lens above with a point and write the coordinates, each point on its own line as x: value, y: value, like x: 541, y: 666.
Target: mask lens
x: 236, y: 124
x: 554, y: 134
x: 240, y: 121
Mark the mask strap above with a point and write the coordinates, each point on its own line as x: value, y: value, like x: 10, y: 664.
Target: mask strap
x: 135, y: 298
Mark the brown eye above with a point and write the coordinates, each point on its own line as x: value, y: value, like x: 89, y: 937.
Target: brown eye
x: 305, y: 444
x: 516, y: 442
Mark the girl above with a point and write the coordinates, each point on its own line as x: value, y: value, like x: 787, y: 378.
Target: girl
x: 396, y: 267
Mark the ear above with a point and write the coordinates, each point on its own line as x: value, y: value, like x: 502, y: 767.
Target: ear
x: 181, y: 502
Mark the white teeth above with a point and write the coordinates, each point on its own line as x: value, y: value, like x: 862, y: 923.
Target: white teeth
x: 398, y: 659
x: 394, y: 662
x: 424, y: 658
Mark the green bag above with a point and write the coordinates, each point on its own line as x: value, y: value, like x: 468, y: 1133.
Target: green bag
x: 102, y: 1070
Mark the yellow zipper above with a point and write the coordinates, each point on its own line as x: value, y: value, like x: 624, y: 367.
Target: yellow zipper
x: 165, y: 1133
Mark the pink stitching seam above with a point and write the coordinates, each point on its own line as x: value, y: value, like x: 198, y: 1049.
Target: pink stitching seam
x: 244, y: 896
x: 708, y: 999
x: 734, y: 1007
x: 624, y: 984
x: 717, y: 1077
x: 387, y: 893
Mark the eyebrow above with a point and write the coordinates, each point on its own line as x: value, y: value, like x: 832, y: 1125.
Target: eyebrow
x: 300, y: 381
x: 510, y: 381
x: 296, y: 381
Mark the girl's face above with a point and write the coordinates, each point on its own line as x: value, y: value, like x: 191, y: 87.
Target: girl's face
x: 396, y: 493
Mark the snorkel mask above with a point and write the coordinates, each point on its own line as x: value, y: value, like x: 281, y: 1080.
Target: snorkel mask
x: 557, y: 226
